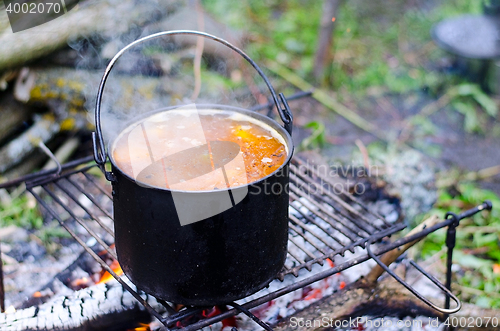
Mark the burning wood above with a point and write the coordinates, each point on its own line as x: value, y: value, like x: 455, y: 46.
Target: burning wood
x: 106, y: 276
x: 103, y: 306
x: 81, y: 301
x: 357, y: 298
x: 318, y: 229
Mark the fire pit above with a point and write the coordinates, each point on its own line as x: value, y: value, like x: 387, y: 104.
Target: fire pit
x: 324, y: 223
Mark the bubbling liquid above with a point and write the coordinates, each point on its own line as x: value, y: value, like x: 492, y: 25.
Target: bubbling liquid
x: 198, y: 150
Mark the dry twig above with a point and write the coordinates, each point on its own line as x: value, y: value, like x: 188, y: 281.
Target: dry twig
x: 327, y: 100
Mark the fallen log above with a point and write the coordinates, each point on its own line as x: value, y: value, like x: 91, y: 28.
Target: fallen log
x: 4, y: 20
x: 69, y: 92
x: 43, y: 129
x: 63, y: 153
x: 31, y: 162
x: 75, y: 91
x: 42, y: 86
x: 12, y: 115
x: 107, y: 18
x: 6, y: 77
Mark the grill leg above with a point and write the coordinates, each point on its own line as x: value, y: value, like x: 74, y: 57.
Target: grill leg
x: 451, y: 236
x: 2, y: 291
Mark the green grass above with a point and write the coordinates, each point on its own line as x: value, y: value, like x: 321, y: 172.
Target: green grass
x: 376, y: 43
x: 21, y: 212
x: 389, y: 46
x: 379, y: 47
x: 477, y: 251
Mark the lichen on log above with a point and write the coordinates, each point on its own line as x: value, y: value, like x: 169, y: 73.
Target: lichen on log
x: 77, y: 89
x: 41, y: 86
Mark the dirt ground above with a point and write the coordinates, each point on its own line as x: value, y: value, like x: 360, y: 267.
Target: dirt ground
x: 450, y: 147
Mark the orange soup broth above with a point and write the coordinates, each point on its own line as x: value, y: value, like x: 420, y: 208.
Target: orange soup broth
x: 262, y: 149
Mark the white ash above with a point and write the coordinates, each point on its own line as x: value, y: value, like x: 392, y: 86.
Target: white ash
x: 31, y: 266
x: 425, y: 286
x: 72, y: 311
x: 288, y: 304
x: 385, y: 209
x: 21, y: 280
x: 355, y: 272
x: 412, y: 177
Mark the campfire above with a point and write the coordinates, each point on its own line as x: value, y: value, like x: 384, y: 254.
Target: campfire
x: 313, y: 250
x: 328, y: 232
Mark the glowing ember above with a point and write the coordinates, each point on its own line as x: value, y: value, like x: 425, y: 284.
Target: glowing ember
x: 80, y: 282
x: 106, y: 277
x: 314, y: 294
x: 141, y: 327
x: 228, y: 322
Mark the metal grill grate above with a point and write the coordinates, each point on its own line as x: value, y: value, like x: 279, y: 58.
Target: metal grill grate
x: 323, y: 223
x: 325, y: 219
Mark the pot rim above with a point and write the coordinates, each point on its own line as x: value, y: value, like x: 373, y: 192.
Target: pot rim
x: 267, y: 120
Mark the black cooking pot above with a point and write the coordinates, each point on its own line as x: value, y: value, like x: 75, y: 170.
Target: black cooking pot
x: 219, y: 259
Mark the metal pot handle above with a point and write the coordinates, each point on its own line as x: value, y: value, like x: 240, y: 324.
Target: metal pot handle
x: 100, y: 154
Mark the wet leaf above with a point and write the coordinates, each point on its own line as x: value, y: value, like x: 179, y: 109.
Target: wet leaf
x: 489, y: 106
x: 470, y: 261
x: 317, y: 137
x: 471, y: 121
x: 479, y: 96
x: 483, y: 301
x: 481, y: 240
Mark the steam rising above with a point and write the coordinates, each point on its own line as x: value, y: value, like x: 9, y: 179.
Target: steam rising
x: 159, y: 73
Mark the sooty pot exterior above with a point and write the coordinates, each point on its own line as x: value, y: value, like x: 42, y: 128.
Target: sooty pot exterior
x: 213, y: 261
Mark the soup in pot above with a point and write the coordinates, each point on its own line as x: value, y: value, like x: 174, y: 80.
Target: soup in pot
x: 198, y: 150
